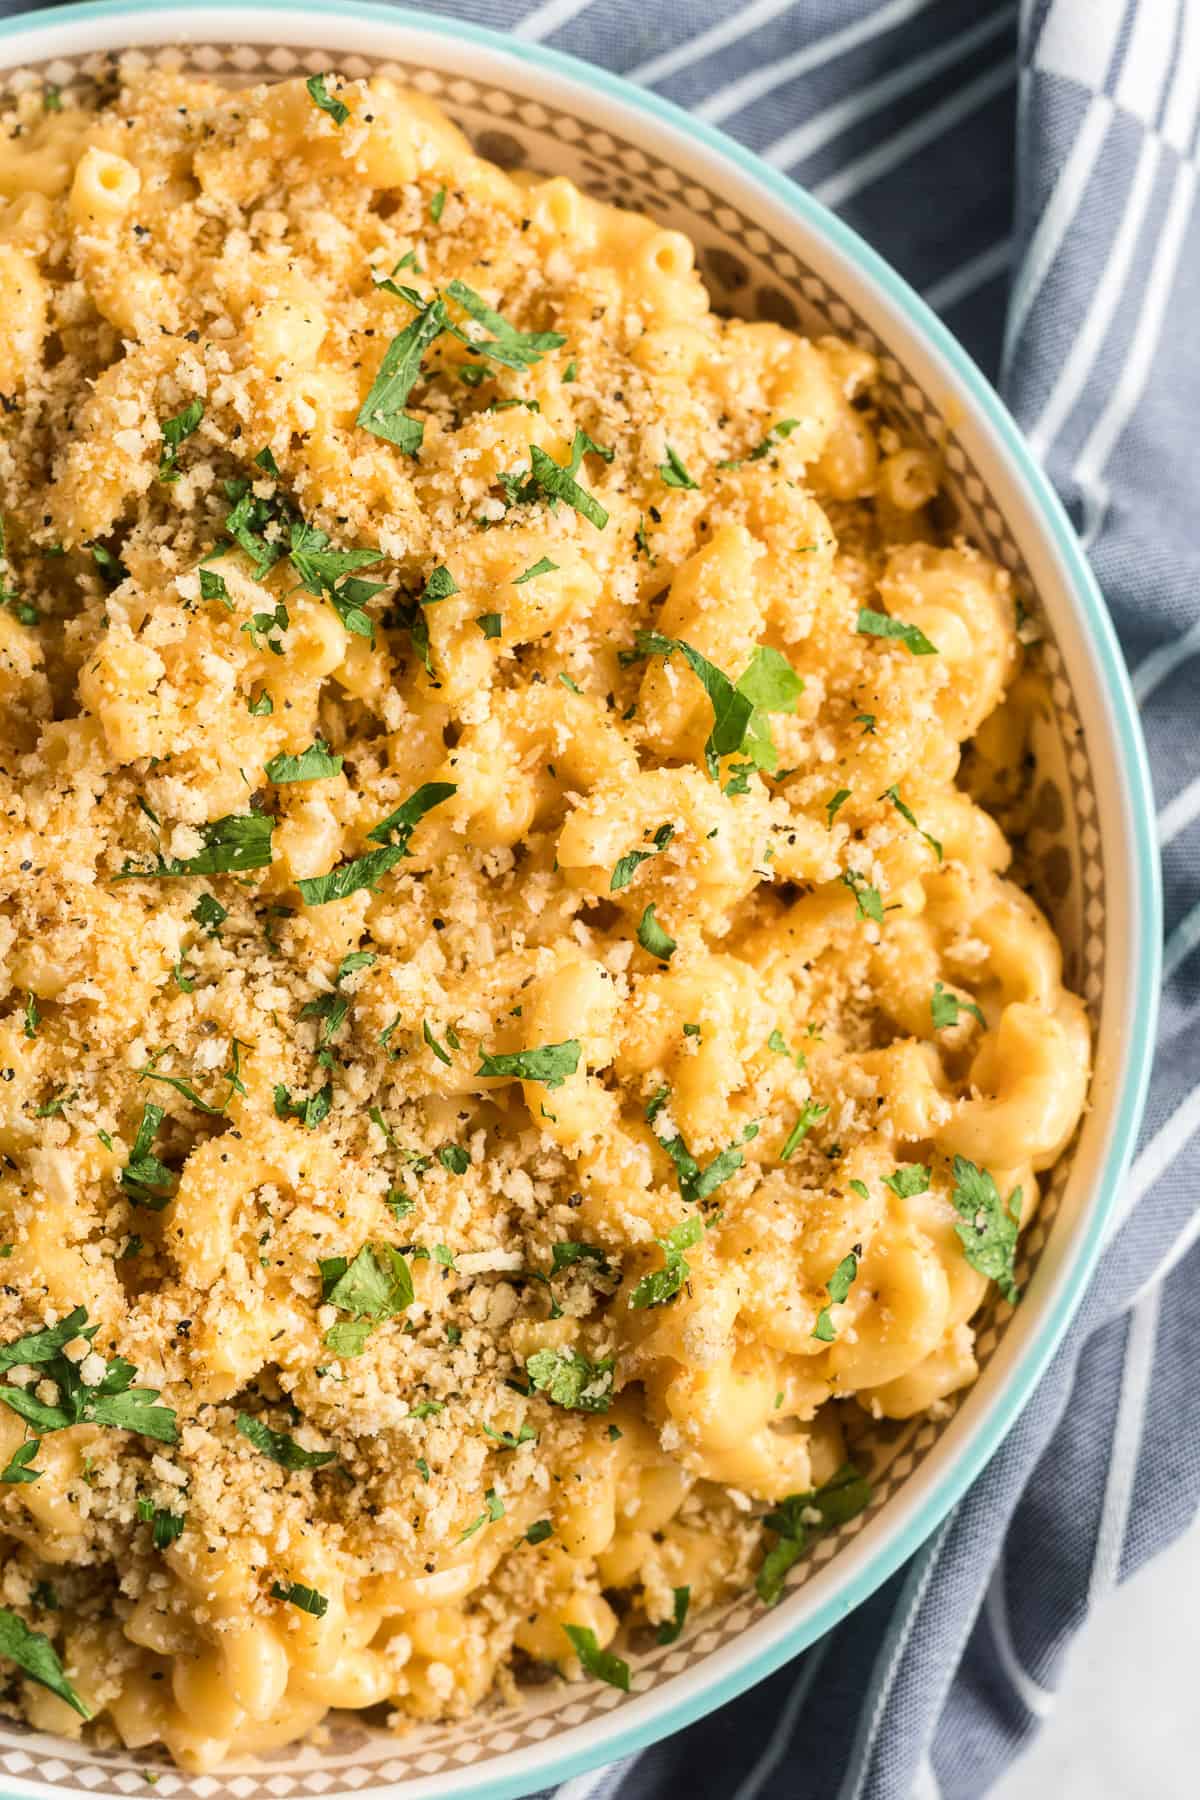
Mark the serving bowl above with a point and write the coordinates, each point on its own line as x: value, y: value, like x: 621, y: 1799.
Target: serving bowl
x: 769, y: 251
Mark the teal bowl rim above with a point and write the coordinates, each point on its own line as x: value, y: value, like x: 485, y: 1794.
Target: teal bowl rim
x: 1145, y: 897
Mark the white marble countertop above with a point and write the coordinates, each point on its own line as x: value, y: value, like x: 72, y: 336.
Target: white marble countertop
x: 1126, y: 1723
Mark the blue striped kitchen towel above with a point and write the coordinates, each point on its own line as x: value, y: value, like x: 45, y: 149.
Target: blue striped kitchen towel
x: 1032, y: 170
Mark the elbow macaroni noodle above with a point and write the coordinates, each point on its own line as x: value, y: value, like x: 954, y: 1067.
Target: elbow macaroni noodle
x: 783, y: 983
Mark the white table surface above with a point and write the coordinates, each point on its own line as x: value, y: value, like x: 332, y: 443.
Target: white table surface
x: 1127, y: 1722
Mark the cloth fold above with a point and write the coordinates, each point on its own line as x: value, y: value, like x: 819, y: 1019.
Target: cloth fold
x: 1032, y: 170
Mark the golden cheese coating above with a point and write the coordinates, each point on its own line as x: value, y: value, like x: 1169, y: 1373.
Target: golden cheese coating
x: 507, y: 1021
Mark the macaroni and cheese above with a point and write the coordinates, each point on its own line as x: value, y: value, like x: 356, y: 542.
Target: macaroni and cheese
x: 515, y: 1045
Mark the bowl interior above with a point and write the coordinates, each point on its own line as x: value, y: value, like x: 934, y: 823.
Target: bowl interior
x: 1072, y: 856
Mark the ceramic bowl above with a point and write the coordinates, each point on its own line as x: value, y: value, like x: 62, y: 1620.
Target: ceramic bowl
x: 767, y: 250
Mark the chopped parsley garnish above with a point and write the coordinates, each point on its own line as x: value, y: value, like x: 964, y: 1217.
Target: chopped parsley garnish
x: 33, y: 1017
x: 908, y: 1180
x: 551, y: 1063
x: 868, y: 903
x: 442, y: 1055
x: 893, y: 794
x: 393, y: 833
x: 842, y: 1497
x: 454, y: 1159
x: 296, y: 1594
x: 783, y: 429
x: 769, y: 684
x: 628, y: 865
x: 653, y: 939
x: 232, y: 1075
x: 320, y: 96
x: 37, y: 1657
x: 440, y: 586
x: 663, y: 1284
x: 989, y: 1226
x: 174, y: 431
x: 833, y: 804
x: 437, y: 206
x: 351, y: 964
x: 311, y: 1112
x: 111, y: 1401
x: 512, y: 348
x: 209, y: 913
x: 490, y: 624
x: 569, y: 1379
x: 673, y: 473
x: 882, y: 625
x: 542, y: 567
x: 810, y: 1113
x: 495, y: 1510
x: 18, y: 1470
x: 167, y: 1526
x: 146, y: 1180
x: 27, y: 614
x: 697, y: 1184
x: 945, y: 1006
x: 212, y: 587
x: 279, y: 1447
x: 559, y: 483
x: 262, y: 628
x: 600, y: 1663
x: 374, y: 1286
x: 670, y: 1629
x: 565, y: 1255
x: 51, y: 98
x: 839, y: 1285
x: 867, y: 721
x: 382, y: 412
x: 313, y: 764
x: 511, y: 1440
x: 539, y: 1531
x: 232, y: 845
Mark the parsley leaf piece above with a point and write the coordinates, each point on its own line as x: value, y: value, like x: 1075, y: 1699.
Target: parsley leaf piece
x: 232, y: 845
x: 670, y: 1629
x: 551, y: 1063
x: 146, y: 1180
x: 653, y: 939
x: 908, y: 1180
x: 365, y: 871
x: 37, y: 1657
x: 569, y: 1379
x: 810, y: 1113
x: 893, y: 794
x: 112, y: 1401
x: 311, y: 1112
x: 347, y: 602
x: 600, y: 1663
x: 674, y: 474
x: 882, y: 625
x: 232, y: 1075
x: 262, y: 708
x: 398, y: 827
x: 174, y: 431
x: 454, y: 1158
x: 490, y: 624
x: 306, y: 1598
x: 842, y: 1498
x: 18, y: 1470
x: 839, y: 1285
x: 279, y: 1447
x: 512, y: 348
x: 834, y: 802
x: 945, y: 1006
x: 33, y: 1017
x: 696, y: 1184
x: 539, y: 1531
x: 321, y: 568
x: 559, y: 483
x: 437, y: 206
x: 662, y: 1285
x: 320, y: 96
x: 167, y: 1526
x: 440, y: 586
x: 313, y: 764
x: 511, y: 1440
x: 495, y: 1510
x: 209, y: 912
x: 989, y: 1227
x: 543, y: 567
x: 768, y: 684
x: 565, y: 1254
x: 627, y: 866
x: 382, y: 412
x: 868, y: 903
